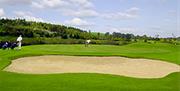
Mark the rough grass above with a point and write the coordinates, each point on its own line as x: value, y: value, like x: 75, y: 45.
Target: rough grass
x: 90, y: 82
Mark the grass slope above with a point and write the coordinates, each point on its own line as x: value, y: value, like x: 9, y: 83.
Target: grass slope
x: 90, y: 82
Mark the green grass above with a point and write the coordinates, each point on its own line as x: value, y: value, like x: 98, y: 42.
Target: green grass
x: 90, y: 82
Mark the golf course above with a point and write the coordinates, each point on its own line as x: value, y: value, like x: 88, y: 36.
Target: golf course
x: 89, y: 45
x: 85, y: 81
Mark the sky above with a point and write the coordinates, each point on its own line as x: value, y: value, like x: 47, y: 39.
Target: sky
x: 150, y: 17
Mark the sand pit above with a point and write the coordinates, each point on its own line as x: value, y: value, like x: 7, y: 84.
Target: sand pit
x: 139, y: 68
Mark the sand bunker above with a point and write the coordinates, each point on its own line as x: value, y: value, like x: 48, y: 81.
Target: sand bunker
x: 139, y: 68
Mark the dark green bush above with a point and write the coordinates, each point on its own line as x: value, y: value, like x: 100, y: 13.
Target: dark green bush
x: 58, y: 40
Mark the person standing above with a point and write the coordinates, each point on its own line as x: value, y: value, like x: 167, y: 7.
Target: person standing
x: 87, y: 43
x: 19, y: 39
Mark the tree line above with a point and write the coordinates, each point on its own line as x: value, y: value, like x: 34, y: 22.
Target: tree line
x: 16, y: 27
x: 30, y: 29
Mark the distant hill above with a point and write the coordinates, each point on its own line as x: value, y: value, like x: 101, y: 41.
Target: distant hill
x: 16, y: 27
x: 39, y: 33
x: 9, y: 27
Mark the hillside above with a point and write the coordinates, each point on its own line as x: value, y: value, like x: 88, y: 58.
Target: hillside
x: 45, y: 33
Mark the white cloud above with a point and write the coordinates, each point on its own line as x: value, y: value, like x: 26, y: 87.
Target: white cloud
x: 37, y: 5
x: 82, y: 3
x: 15, y: 2
x: 81, y: 13
x: 75, y: 8
x: 2, y: 13
x: 111, y: 28
x: 78, y: 22
x: 50, y: 4
x: 28, y: 16
x: 124, y: 30
x: 62, y: 3
x: 131, y: 13
x: 173, y: 13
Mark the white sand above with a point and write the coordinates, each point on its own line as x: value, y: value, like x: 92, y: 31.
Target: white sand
x: 139, y: 68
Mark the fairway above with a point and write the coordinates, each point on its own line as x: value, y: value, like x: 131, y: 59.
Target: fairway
x: 90, y: 81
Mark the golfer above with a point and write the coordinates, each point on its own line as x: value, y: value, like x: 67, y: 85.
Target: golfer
x: 19, y: 39
x: 87, y: 43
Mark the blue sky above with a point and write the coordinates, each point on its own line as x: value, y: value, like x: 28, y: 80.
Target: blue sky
x: 150, y: 17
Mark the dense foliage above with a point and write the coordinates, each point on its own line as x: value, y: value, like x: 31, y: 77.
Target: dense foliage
x: 46, y: 33
x: 25, y: 28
